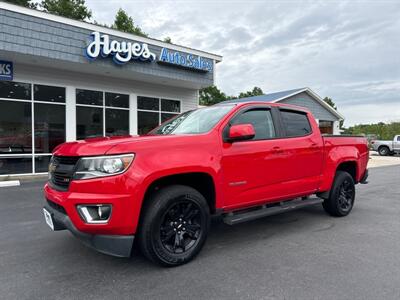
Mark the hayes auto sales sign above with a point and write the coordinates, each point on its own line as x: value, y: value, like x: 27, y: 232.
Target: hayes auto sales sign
x: 123, y: 52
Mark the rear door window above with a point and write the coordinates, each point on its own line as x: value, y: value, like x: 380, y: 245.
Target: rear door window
x: 295, y: 123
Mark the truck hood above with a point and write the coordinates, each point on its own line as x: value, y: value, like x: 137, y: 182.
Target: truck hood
x: 103, y: 145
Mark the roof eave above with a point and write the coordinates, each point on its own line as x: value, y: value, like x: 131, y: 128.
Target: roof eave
x: 318, y: 98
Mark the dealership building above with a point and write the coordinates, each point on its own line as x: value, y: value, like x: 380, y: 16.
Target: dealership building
x: 64, y: 80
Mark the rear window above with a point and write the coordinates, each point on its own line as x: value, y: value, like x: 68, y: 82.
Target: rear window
x: 295, y: 123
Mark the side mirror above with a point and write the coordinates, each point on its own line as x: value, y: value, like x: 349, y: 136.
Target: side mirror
x: 241, y: 132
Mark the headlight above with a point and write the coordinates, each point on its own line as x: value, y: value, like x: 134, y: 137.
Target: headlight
x: 101, y: 166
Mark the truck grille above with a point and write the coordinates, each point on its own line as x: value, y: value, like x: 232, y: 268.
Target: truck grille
x: 61, y: 171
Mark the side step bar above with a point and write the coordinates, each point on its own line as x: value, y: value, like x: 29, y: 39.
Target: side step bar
x: 237, y: 217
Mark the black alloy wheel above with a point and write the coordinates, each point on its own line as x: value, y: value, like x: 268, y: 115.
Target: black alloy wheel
x: 346, y: 195
x: 181, y: 226
x: 341, y: 197
x: 174, y: 225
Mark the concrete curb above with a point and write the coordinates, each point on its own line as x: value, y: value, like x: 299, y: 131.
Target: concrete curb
x: 9, y: 183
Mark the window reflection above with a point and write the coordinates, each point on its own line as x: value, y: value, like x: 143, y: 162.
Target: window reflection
x: 42, y: 163
x: 15, y: 90
x: 117, y: 100
x: 49, y: 127
x: 117, y: 122
x: 15, y: 127
x: 89, y: 97
x: 89, y: 122
x: 170, y: 105
x: 49, y: 93
x: 147, y: 121
x: 15, y: 165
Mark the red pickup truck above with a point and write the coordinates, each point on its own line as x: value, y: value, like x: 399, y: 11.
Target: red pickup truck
x: 240, y: 161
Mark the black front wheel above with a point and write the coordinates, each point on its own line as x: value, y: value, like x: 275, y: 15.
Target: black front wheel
x: 342, y: 195
x: 174, y: 226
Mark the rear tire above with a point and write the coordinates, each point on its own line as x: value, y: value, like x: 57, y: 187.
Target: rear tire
x: 384, y: 151
x: 175, y: 225
x: 342, y: 195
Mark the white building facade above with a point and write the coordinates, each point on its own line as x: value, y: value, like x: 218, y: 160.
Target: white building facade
x: 63, y: 80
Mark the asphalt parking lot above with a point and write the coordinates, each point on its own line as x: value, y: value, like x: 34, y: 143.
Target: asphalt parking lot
x: 299, y: 255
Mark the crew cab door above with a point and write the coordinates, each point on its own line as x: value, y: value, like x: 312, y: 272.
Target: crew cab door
x: 304, y: 151
x: 253, y: 170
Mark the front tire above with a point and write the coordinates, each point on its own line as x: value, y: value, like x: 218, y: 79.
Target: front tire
x: 175, y: 225
x: 342, y: 195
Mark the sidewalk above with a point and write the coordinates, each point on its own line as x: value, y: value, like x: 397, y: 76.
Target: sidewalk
x: 381, y: 161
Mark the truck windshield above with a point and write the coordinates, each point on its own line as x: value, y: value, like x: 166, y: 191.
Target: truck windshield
x: 193, y: 122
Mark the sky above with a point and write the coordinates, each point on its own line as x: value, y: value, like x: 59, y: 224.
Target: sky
x: 346, y: 50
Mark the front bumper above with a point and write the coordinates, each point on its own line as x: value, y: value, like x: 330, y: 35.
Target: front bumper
x: 115, y: 245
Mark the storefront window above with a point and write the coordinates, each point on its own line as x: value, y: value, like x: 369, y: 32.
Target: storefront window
x: 15, y: 127
x: 117, y: 122
x: 89, y: 122
x: 147, y: 121
x: 49, y: 93
x: 42, y: 163
x: 15, y: 165
x: 154, y: 111
x: 89, y: 97
x: 91, y: 112
x: 147, y: 103
x: 15, y: 90
x: 117, y: 100
x: 170, y: 105
x: 49, y: 127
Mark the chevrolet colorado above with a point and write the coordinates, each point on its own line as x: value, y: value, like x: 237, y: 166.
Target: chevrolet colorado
x: 238, y: 160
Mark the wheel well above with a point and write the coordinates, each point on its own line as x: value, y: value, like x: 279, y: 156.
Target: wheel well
x: 349, y: 167
x: 202, y: 182
x: 383, y: 146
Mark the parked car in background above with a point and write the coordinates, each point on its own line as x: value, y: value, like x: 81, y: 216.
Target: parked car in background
x: 385, y: 148
x: 241, y: 161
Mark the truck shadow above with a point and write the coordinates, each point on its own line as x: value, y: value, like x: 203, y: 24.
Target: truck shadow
x: 222, y: 238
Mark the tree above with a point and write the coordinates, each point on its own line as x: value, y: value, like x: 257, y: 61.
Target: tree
x: 256, y: 91
x: 124, y: 22
x: 26, y: 3
x: 380, y: 130
x: 167, y: 40
x: 74, y: 9
x: 330, y: 102
x: 211, y: 95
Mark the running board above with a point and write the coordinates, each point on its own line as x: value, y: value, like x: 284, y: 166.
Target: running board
x: 237, y: 217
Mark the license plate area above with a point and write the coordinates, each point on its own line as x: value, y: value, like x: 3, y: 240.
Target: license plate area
x: 48, y: 218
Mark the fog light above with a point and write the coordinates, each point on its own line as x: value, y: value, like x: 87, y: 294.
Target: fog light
x: 95, y: 214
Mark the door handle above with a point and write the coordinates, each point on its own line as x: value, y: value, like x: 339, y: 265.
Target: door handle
x: 277, y: 150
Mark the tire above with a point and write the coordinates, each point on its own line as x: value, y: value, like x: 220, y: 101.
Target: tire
x: 174, y: 226
x: 384, y: 151
x: 342, y: 195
